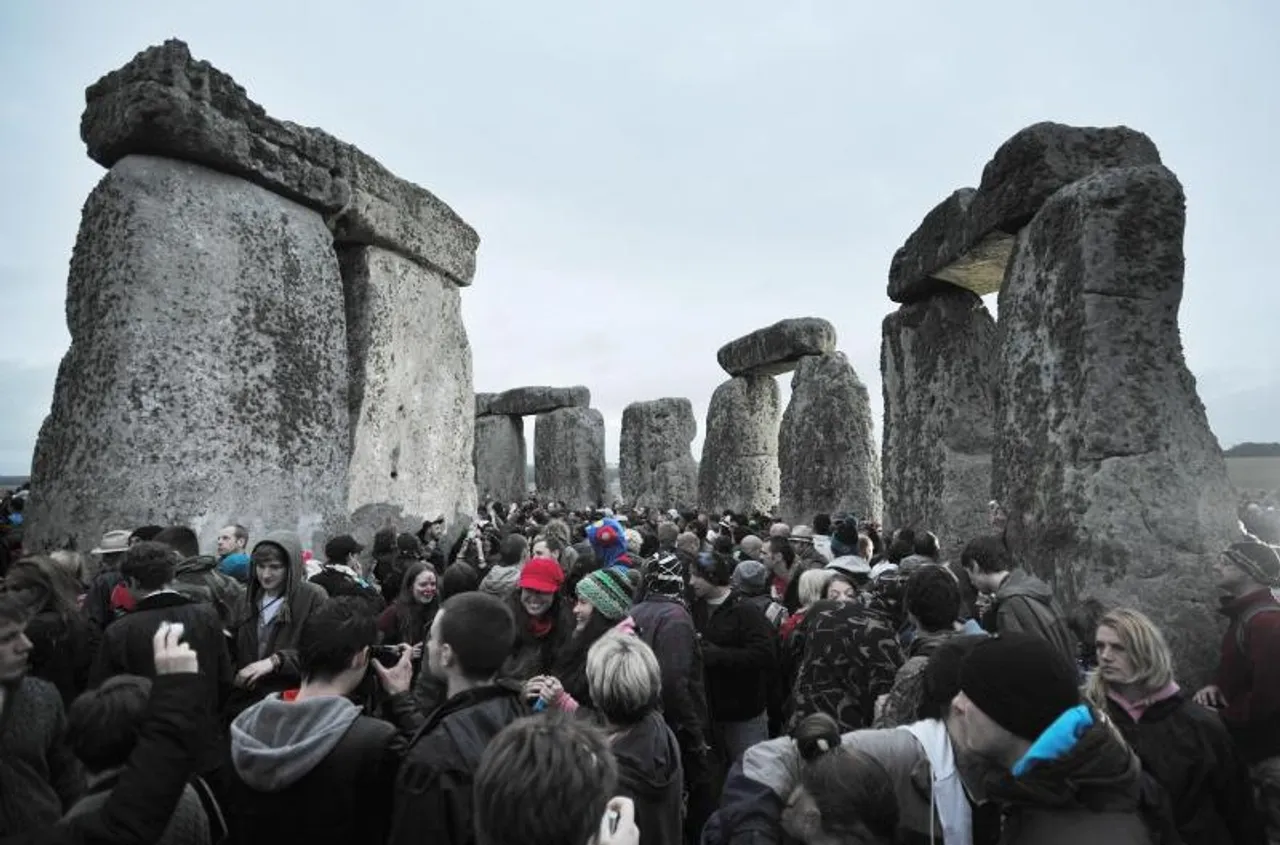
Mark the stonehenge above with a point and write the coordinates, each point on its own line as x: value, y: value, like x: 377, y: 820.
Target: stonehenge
x: 655, y: 465
x: 739, y: 467
x: 246, y: 304
x: 1075, y: 410
x: 568, y: 456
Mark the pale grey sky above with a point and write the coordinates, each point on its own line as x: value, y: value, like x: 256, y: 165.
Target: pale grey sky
x: 653, y: 180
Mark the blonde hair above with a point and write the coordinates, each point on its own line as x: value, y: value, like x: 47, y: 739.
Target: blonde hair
x: 1147, y: 650
x: 634, y: 541
x: 73, y: 563
x: 813, y: 585
x: 623, y: 677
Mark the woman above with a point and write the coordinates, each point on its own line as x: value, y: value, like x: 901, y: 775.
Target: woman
x: 1183, y: 745
x: 543, y: 623
x: 604, y: 599
x: 626, y: 686
x: 63, y: 641
x: 408, y: 619
x: 840, y: 588
x: 812, y: 587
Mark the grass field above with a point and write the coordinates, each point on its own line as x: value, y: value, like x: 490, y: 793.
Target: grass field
x: 1253, y: 474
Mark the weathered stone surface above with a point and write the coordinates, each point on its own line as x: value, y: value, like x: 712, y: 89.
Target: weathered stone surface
x: 655, y: 465
x: 1023, y: 173
x: 206, y: 381
x: 937, y: 364
x: 163, y: 102
x: 1113, y: 482
x: 568, y: 456
x: 776, y: 349
x: 484, y: 401
x: 826, y: 446
x: 410, y: 394
x: 739, y: 467
x: 500, y: 459
x: 527, y: 401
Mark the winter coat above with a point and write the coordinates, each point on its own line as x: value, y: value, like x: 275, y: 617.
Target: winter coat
x: 62, y: 651
x: 1092, y: 793
x: 1025, y: 603
x: 280, y: 637
x: 127, y: 649
x: 198, y: 579
x: 1249, y: 677
x: 97, y: 602
x: 850, y: 658
x: 533, y: 655
x: 1186, y: 748
x: 666, y: 626
x: 649, y: 773
x: 150, y: 787
x: 314, y: 771
x: 188, y: 825
x: 340, y: 580
x: 39, y: 776
x: 738, y: 652
x: 902, y: 707
x: 433, y: 788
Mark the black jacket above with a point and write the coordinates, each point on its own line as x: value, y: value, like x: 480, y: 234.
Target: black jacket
x: 433, y: 788
x: 649, y: 773
x: 1186, y: 748
x: 62, y: 651
x: 738, y: 651
x: 1025, y: 603
x: 667, y: 627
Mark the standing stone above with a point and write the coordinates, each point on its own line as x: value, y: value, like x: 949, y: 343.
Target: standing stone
x: 411, y: 400
x: 500, y: 459
x: 827, y: 446
x: 739, y: 468
x: 937, y: 362
x: 656, y: 467
x: 206, y: 382
x: 568, y: 456
x: 1113, y: 482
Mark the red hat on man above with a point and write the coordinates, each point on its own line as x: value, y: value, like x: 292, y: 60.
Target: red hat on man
x: 542, y: 575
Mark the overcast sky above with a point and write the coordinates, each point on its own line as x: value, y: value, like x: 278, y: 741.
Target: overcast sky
x: 651, y: 180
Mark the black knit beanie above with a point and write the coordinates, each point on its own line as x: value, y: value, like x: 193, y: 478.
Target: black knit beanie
x: 1022, y: 682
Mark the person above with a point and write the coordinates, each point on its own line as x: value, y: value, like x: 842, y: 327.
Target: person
x: 1246, y: 688
x: 233, y: 557
x: 275, y: 608
x: 751, y: 580
x: 342, y: 575
x: 63, y: 640
x: 738, y: 652
x: 148, y: 570
x: 408, y: 619
x: 544, y: 621
x: 103, y: 726
x: 308, y: 765
x: 470, y: 639
x: 551, y: 761
x: 604, y: 600
x: 98, y: 601
x: 197, y: 576
x: 408, y: 551
x: 625, y: 684
x: 503, y: 580
x: 841, y: 586
x: 1068, y: 777
x: 1021, y: 602
x: 39, y: 776
x: 1182, y: 744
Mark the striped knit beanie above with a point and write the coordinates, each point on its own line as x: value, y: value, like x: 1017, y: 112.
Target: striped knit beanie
x: 608, y: 591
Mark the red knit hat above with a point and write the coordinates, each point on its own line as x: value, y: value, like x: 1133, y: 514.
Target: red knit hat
x: 542, y: 575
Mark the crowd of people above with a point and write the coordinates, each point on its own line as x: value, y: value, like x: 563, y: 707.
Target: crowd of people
x: 616, y: 676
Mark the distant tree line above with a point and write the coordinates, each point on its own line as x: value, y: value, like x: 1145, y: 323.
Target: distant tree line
x: 1253, y: 450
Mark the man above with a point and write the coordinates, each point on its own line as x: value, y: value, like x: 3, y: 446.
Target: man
x: 197, y: 576
x: 342, y: 575
x: 1246, y: 689
x: 127, y: 649
x: 470, y: 638
x: 541, y: 763
x: 751, y: 548
x: 39, y: 776
x: 822, y: 535
x: 1021, y: 602
x: 738, y: 651
x: 98, y: 601
x: 233, y: 556
x: 503, y: 580
x: 308, y: 766
x: 802, y: 540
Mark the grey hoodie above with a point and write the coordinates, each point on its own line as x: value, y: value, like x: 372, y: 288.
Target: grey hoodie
x: 276, y: 743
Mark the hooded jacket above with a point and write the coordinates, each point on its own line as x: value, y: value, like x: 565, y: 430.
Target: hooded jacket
x: 667, y: 627
x: 649, y: 773
x: 1090, y: 792
x: 312, y: 771
x: 199, y: 579
x: 1247, y: 675
x: 281, y: 636
x: 1025, y: 603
